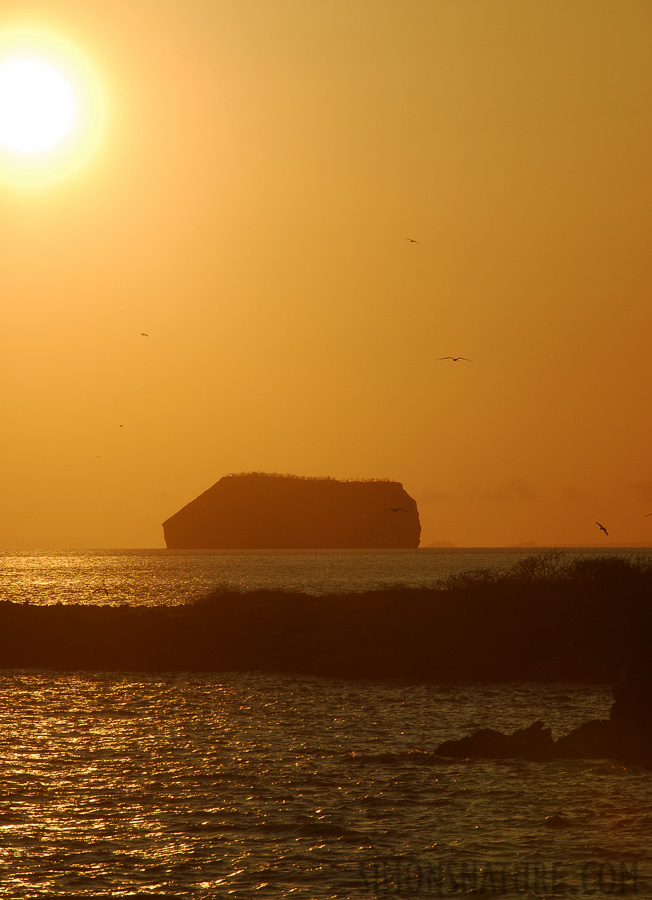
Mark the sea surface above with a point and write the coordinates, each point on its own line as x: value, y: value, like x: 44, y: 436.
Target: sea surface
x: 251, y: 785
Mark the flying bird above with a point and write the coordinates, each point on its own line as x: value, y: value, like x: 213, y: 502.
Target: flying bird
x: 455, y: 358
x: 397, y: 509
x: 602, y: 528
x: 411, y: 240
x: 142, y: 334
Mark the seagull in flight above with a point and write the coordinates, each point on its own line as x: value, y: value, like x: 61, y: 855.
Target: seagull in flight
x: 142, y: 334
x: 397, y: 509
x: 411, y: 240
x: 602, y: 528
x: 455, y: 358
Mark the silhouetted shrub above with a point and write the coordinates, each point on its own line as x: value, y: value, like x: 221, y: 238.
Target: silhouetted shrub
x: 547, y: 618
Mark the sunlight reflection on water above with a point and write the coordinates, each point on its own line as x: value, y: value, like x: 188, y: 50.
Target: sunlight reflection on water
x: 208, y: 786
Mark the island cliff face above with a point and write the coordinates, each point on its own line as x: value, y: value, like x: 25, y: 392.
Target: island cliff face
x: 264, y: 512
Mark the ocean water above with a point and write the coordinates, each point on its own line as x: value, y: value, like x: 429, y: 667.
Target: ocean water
x: 251, y: 785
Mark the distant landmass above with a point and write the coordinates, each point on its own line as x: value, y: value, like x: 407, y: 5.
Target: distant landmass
x: 260, y: 511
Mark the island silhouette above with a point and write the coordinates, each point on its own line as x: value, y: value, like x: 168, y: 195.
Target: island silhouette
x: 263, y: 511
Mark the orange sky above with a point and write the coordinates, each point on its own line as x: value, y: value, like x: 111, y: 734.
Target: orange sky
x: 260, y: 167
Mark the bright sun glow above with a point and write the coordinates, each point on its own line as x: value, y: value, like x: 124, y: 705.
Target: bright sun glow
x: 37, y: 106
x: 50, y: 108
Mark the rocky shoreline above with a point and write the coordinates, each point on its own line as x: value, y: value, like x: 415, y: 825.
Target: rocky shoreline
x: 625, y: 736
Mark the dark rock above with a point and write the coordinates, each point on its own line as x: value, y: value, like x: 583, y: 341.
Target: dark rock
x: 632, y: 708
x: 631, y: 719
x: 486, y: 743
x: 625, y: 736
x: 534, y: 742
x: 259, y: 511
x: 592, y: 740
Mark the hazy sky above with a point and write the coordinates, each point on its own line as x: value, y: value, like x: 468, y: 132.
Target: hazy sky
x: 247, y: 205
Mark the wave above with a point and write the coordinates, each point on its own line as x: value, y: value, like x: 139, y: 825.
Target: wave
x: 420, y: 757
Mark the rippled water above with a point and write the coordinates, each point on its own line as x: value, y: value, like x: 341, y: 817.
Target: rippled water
x: 272, y: 786
x: 269, y: 786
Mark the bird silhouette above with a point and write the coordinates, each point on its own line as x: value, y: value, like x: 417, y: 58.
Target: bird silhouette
x: 397, y: 509
x: 411, y: 240
x: 455, y: 358
x: 602, y: 528
x: 142, y: 334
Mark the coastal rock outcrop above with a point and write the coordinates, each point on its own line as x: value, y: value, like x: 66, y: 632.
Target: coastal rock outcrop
x: 260, y: 511
x: 626, y: 735
x: 534, y: 742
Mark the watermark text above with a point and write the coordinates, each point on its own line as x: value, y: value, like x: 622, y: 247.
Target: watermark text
x: 440, y: 878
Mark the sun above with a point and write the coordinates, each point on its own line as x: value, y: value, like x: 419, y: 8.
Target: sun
x: 50, y: 108
x: 37, y: 106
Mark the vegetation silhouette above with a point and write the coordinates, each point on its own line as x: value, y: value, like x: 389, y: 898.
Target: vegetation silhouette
x: 548, y: 618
